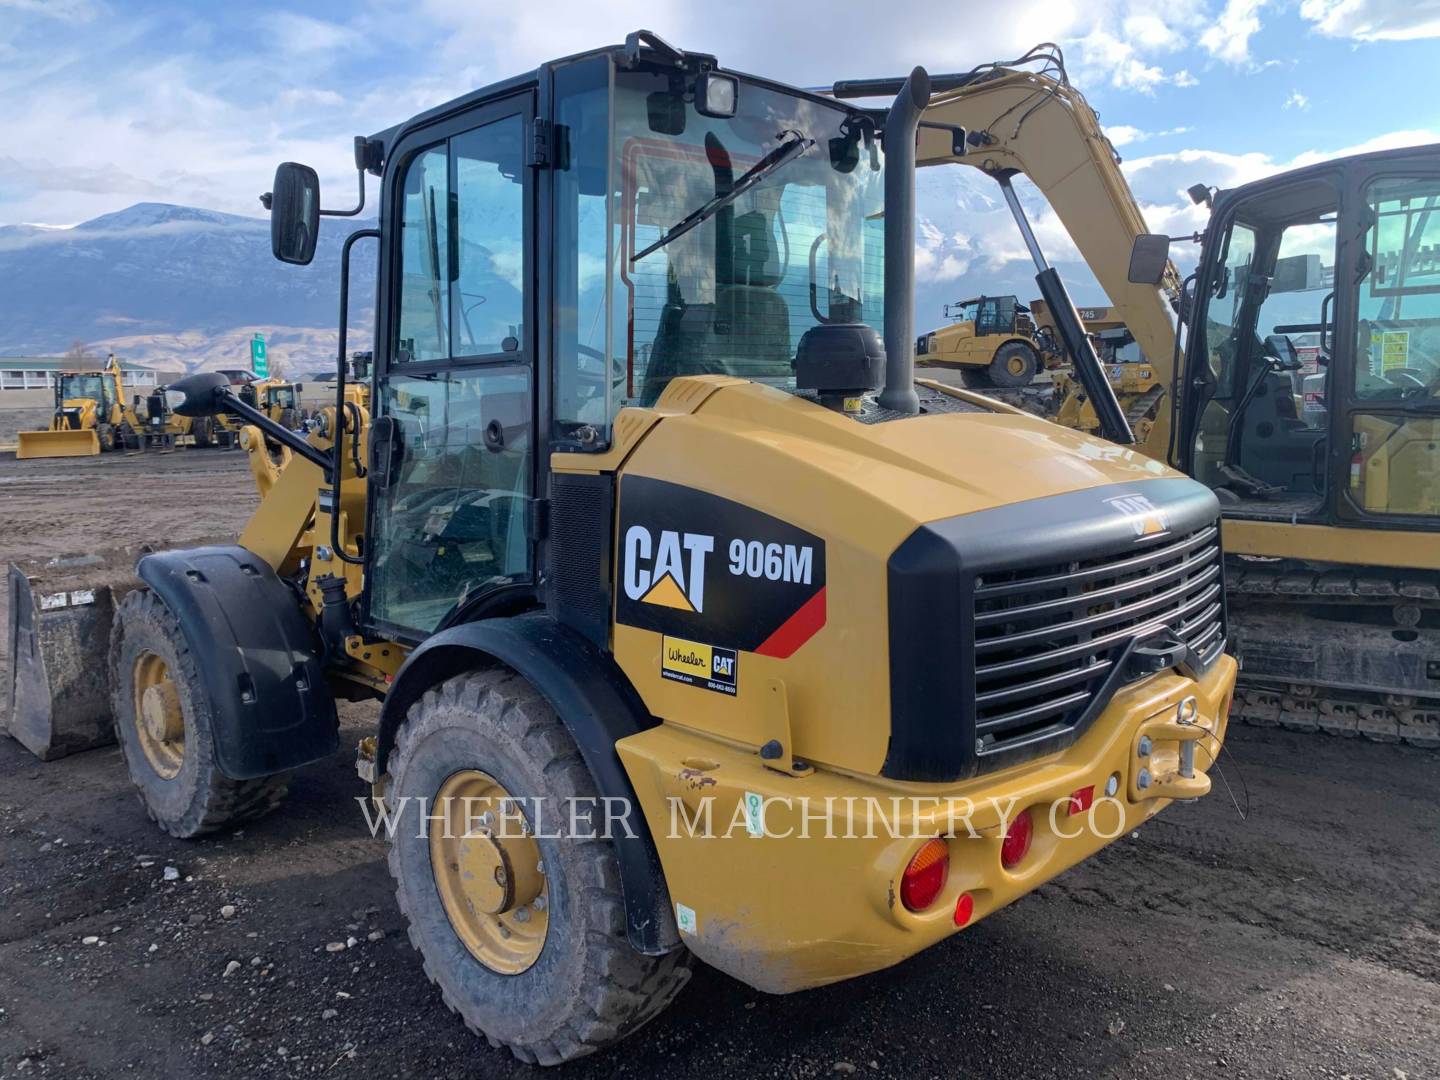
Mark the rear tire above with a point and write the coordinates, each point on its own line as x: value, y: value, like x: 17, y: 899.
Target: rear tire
x: 1014, y: 365
x: 585, y: 987
x: 202, y: 428
x: 173, y: 769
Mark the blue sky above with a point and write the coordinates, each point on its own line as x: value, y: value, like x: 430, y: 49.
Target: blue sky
x: 111, y: 102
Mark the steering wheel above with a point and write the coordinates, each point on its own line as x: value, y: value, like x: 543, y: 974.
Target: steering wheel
x: 1407, y: 378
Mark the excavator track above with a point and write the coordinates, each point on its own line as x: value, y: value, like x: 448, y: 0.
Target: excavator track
x: 1309, y: 636
x: 1142, y: 406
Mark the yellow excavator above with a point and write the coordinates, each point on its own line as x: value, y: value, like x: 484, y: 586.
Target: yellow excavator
x: 1307, y: 394
x: 670, y: 585
x: 91, y: 415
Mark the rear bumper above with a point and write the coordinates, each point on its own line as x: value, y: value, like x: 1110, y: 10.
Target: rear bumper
x: 814, y: 898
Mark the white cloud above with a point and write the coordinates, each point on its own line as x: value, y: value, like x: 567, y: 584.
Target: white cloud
x: 1374, y: 20
x: 302, y: 35
x: 69, y: 11
x: 1125, y: 135
x: 1297, y: 101
x: 1228, y: 38
x: 1118, y: 61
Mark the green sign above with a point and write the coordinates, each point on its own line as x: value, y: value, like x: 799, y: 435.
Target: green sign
x: 259, y: 361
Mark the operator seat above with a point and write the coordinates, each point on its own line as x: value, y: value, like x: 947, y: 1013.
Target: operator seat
x: 745, y: 332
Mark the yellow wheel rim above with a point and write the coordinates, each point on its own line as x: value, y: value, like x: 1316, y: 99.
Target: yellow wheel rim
x: 159, y: 721
x: 1016, y: 365
x: 487, y: 870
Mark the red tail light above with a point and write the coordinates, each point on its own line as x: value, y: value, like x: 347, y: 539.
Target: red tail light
x: 964, y: 908
x: 1016, y: 844
x: 925, y: 876
x: 1082, y: 800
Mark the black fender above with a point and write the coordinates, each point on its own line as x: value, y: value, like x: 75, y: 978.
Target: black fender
x: 258, y: 658
x: 594, y: 701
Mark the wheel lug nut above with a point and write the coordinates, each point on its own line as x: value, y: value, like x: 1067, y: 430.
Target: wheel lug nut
x: 1145, y: 746
x: 522, y: 914
x: 1143, y: 780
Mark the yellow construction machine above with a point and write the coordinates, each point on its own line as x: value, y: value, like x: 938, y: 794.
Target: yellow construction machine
x: 699, y: 627
x: 1307, y: 395
x: 999, y: 342
x: 995, y: 340
x: 277, y: 399
x: 91, y: 415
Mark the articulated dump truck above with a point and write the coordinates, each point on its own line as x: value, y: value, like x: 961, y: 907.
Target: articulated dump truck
x: 836, y: 663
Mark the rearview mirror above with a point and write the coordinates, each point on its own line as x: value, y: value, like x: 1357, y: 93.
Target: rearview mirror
x: 1283, y: 349
x: 1149, y: 256
x: 294, y: 213
x: 202, y: 393
x: 665, y: 112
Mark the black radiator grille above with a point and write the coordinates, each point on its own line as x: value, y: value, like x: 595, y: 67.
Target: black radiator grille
x: 1048, y: 637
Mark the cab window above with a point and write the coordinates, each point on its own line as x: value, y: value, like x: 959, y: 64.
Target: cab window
x: 1393, y: 426
x: 462, y: 247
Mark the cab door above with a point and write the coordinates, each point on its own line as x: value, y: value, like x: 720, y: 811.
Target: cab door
x: 455, y: 376
x: 1386, y: 393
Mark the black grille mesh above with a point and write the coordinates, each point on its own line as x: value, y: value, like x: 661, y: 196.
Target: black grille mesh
x: 1047, y: 637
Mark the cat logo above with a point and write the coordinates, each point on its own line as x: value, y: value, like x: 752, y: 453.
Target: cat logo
x: 1146, y: 518
x: 670, y: 571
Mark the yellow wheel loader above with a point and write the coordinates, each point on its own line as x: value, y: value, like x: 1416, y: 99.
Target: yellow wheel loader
x: 1304, y: 395
x: 90, y: 415
x: 700, y: 628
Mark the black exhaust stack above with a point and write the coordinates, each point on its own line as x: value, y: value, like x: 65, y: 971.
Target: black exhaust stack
x: 901, y: 124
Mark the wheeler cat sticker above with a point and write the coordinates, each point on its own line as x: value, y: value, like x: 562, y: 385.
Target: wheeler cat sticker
x: 697, y: 664
x: 703, y: 569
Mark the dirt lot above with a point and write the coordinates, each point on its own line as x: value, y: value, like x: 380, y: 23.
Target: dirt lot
x: 1304, y: 941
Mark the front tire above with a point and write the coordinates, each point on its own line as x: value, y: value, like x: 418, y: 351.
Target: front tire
x: 1014, y: 365
x: 580, y: 986
x: 165, y: 727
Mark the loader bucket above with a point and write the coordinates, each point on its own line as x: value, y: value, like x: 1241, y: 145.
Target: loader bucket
x: 59, y: 668
x: 68, y: 442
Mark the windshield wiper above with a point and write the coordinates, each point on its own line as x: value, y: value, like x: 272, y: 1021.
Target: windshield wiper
x: 776, y: 159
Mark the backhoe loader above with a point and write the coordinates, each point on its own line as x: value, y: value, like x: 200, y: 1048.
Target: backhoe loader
x: 1327, y: 473
x: 670, y: 578
x: 90, y: 415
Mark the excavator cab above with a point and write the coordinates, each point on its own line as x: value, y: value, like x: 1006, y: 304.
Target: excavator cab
x: 1314, y: 345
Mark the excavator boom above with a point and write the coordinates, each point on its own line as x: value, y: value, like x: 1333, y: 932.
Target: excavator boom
x: 1033, y: 122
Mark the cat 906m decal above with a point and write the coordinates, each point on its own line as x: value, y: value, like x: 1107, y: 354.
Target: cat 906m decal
x: 706, y: 569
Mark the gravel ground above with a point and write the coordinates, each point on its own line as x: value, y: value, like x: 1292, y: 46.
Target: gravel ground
x: 1304, y: 941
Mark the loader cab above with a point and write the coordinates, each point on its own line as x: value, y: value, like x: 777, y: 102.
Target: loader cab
x: 550, y: 253
x: 1314, y: 345
x: 87, y: 385
x: 73, y: 389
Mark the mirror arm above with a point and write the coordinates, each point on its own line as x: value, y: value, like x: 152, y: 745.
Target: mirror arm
x: 228, y: 401
x: 360, y: 203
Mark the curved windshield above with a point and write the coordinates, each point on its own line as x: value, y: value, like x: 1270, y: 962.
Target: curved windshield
x: 73, y: 387
x: 802, y: 244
